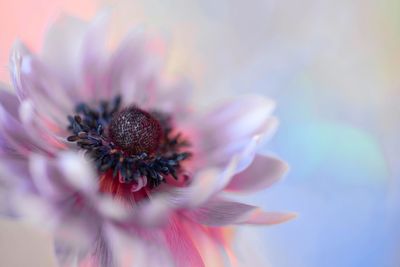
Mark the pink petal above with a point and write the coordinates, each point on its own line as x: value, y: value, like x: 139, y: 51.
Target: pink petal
x: 262, y: 173
x: 181, y: 246
x: 218, y: 212
x: 261, y: 217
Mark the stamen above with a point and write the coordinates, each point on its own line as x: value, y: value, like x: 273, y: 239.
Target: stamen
x: 129, y: 144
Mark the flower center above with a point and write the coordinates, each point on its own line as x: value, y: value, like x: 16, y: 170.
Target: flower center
x: 131, y: 148
x: 135, y: 131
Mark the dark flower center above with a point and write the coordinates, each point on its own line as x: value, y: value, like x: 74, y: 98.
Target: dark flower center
x: 129, y: 144
x: 135, y: 131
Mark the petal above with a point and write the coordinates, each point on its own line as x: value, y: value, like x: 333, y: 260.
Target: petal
x: 93, y: 57
x: 262, y: 173
x: 174, y: 97
x: 48, y: 136
x: 47, y: 178
x: 213, y: 252
x: 139, y: 248
x: 208, y: 182
x: 218, y: 212
x: 66, y: 256
x: 14, y: 136
x: 14, y: 173
x: 8, y: 112
x: 204, y: 188
x: 8, y: 100
x: 181, y: 246
x: 62, y: 48
x: 261, y: 217
x: 78, y: 172
x: 228, y: 129
x: 59, y: 178
x: 33, y: 80
x: 243, y: 116
x: 133, y: 71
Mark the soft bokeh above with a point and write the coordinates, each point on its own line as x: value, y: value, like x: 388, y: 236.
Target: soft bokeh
x: 333, y: 69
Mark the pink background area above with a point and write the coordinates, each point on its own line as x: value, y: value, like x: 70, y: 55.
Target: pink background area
x: 28, y: 20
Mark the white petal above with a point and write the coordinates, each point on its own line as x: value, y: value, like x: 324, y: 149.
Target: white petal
x: 78, y: 171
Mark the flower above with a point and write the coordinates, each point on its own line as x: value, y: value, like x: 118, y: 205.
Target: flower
x: 105, y: 151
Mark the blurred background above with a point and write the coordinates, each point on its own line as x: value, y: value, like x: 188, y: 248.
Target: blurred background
x: 334, y: 69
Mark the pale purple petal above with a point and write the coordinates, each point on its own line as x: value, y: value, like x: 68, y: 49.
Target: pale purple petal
x: 36, y: 82
x: 208, y: 182
x: 62, y: 178
x: 173, y: 97
x: 262, y: 173
x: 218, y: 212
x: 47, y: 178
x: 132, y: 73
x: 113, y: 209
x: 204, y: 188
x: 8, y: 112
x: 94, y: 58
x: 145, y: 247
x: 228, y: 129
x: 14, y: 168
x: 62, y: 50
x: 51, y: 139
x: 12, y: 132
x: 14, y: 172
x: 66, y: 254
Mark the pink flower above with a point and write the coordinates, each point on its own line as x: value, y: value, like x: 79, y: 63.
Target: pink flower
x: 104, y: 151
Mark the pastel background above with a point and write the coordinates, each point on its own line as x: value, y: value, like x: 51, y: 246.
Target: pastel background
x: 334, y: 69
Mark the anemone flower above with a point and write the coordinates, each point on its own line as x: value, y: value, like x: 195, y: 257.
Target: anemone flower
x: 100, y: 148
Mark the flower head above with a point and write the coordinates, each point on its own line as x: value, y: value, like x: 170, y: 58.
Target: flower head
x: 100, y: 148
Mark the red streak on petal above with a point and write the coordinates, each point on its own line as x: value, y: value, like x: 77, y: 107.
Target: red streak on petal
x: 122, y: 191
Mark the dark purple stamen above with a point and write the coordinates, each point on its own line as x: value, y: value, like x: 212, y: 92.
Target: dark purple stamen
x: 132, y: 143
